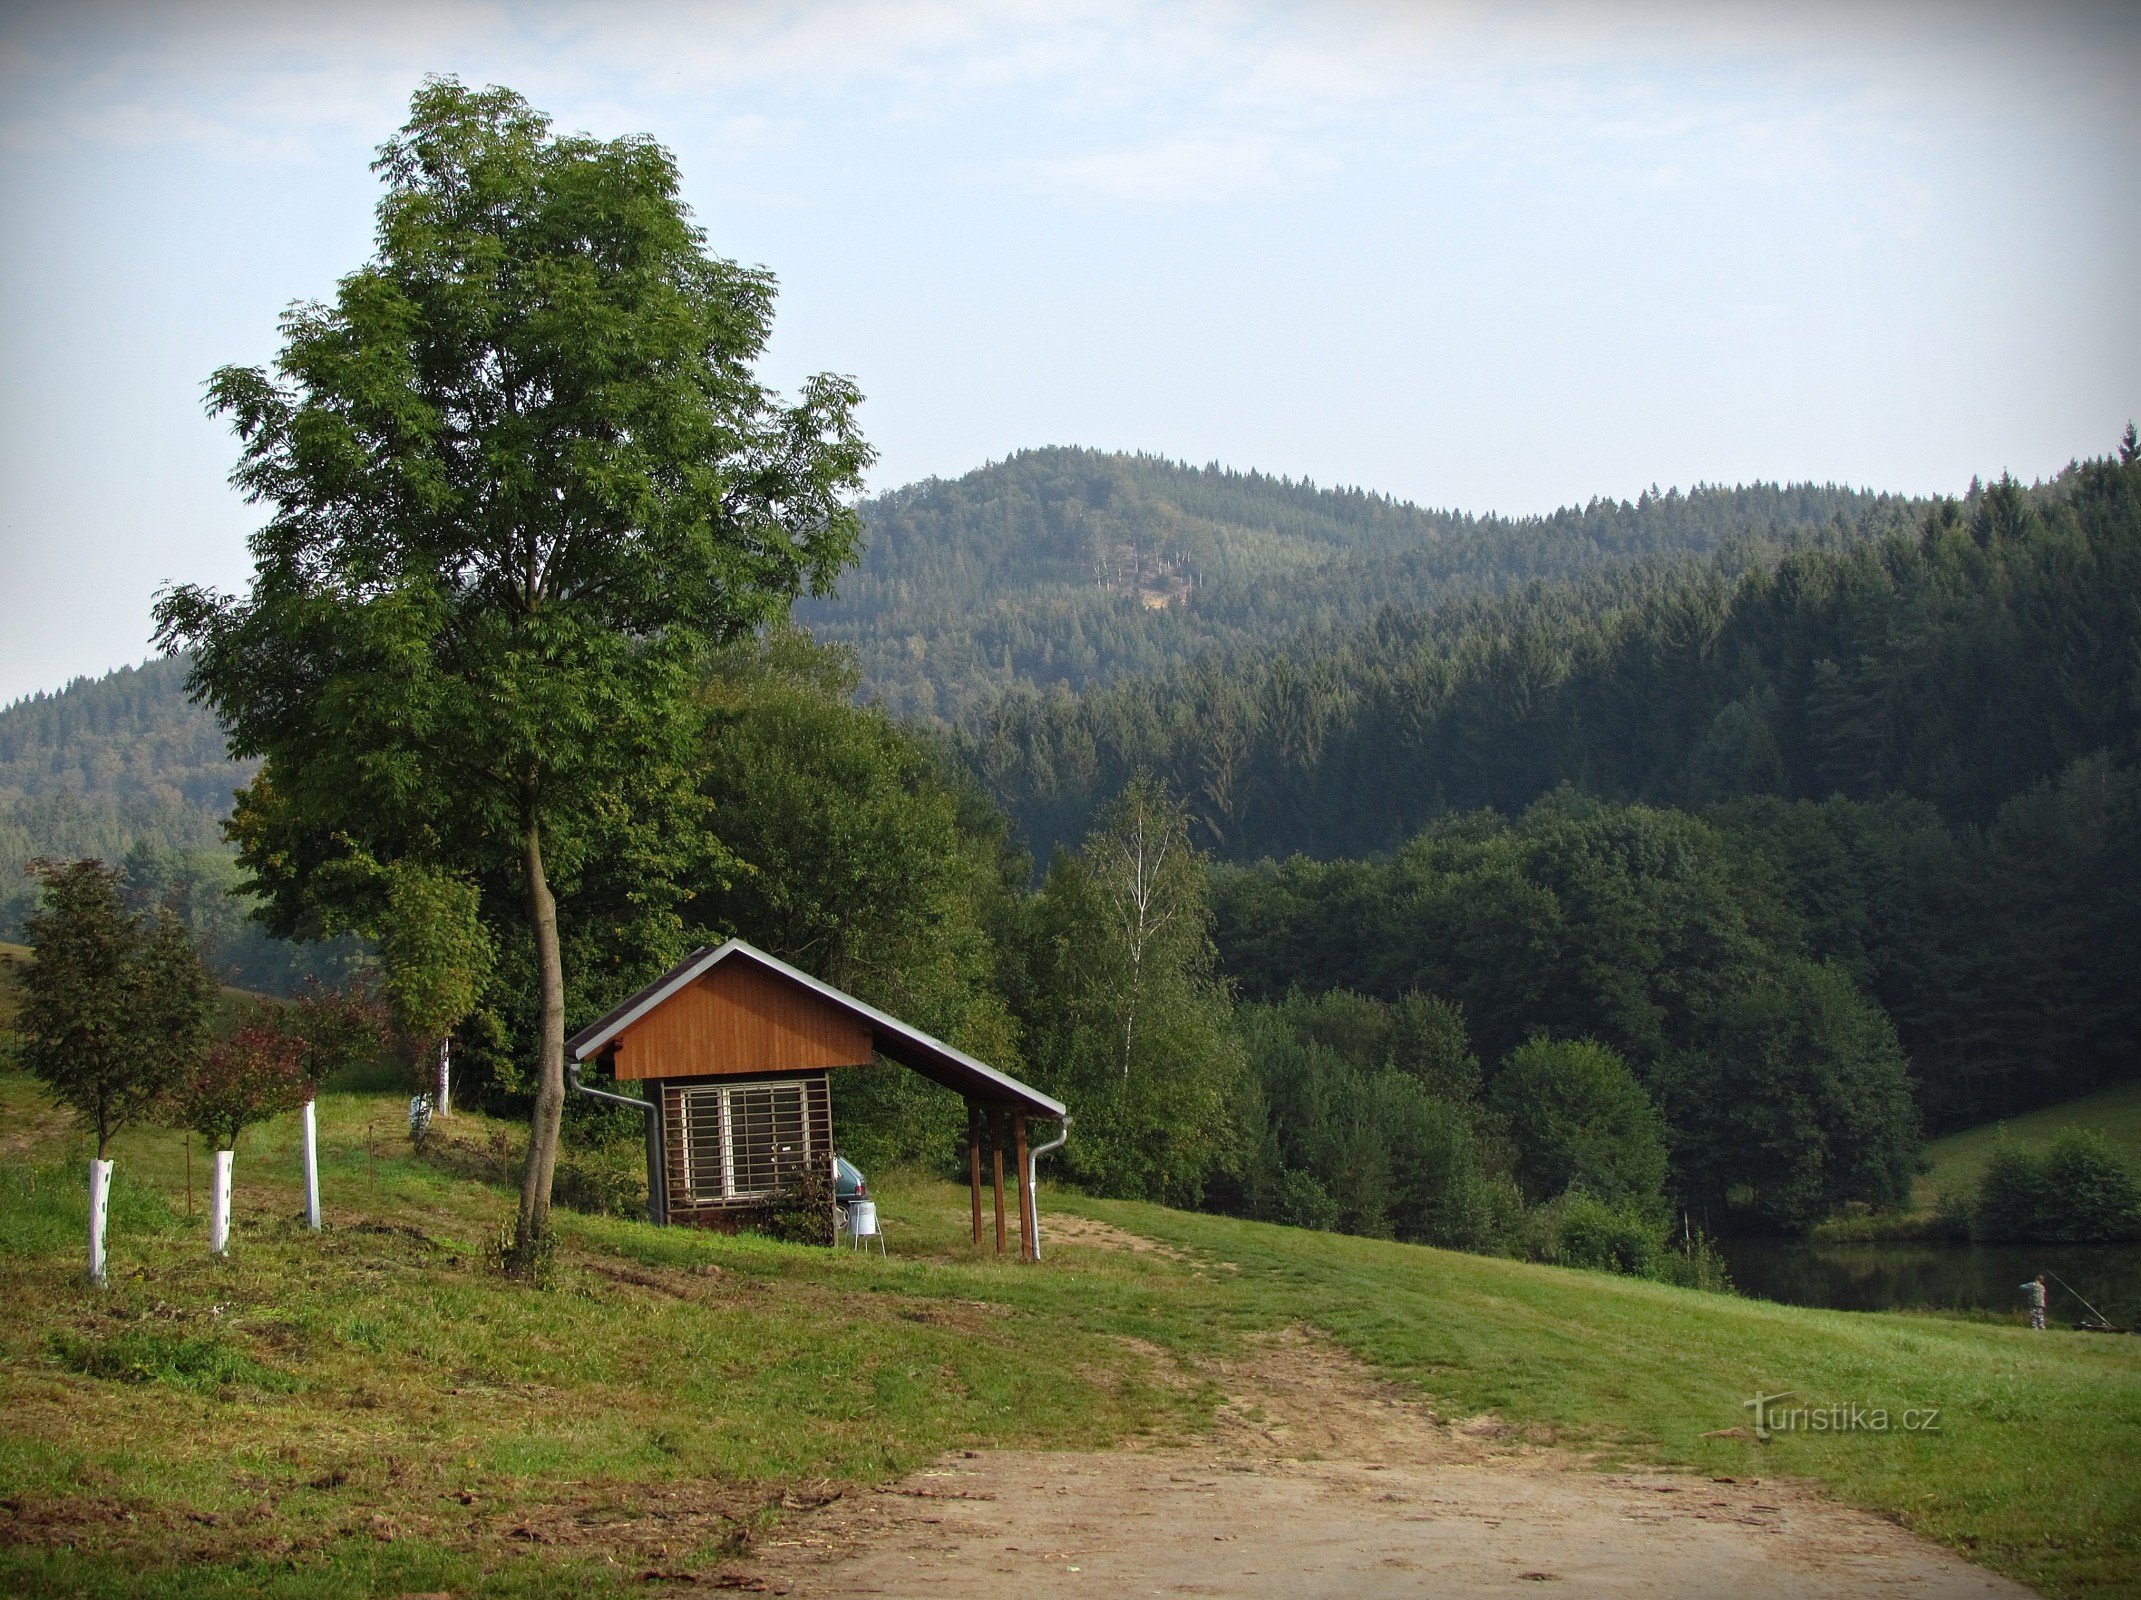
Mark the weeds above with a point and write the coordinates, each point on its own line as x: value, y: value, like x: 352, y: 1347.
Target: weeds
x: 207, y: 1363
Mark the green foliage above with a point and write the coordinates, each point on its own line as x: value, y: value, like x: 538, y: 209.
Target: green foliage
x: 1920, y: 750
x: 1124, y: 1017
x: 1576, y: 1118
x: 2075, y: 1190
x: 852, y: 850
x: 521, y: 481
x: 1793, y: 1101
x: 1430, y: 1044
x: 1915, y: 662
x: 1581, y: 1229
x: 1337, y: 1134
x: 1644, y: 930
x: 343, y: 1031
x: 435, y: 953
x: 1077, y: 568
x: 115, y: 1007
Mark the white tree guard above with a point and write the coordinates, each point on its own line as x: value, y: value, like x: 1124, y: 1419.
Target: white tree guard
x: 312, y: 1167
x: 219, y: 1208
x: 442, y: 1102
x: 100, y: 1196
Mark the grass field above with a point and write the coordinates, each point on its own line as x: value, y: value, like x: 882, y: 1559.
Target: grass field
x: 1956, y: 1160
x: 375, y: 1410
x: 10, y: 956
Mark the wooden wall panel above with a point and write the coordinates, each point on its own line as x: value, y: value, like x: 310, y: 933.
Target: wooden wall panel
x: 740, y: 1018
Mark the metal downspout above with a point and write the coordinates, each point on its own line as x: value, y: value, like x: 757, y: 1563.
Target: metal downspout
x: 657, y: 1185
x: 1033, y: 1198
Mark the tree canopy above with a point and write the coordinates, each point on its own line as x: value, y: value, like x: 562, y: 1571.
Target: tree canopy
x: 521, y: 480
x: 115, y: 1005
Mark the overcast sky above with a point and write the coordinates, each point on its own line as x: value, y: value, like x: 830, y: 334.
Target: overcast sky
x: 1490, y: 257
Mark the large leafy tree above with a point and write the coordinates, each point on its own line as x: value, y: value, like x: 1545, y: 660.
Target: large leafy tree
x: 521, y: 478
x: 853, y: 853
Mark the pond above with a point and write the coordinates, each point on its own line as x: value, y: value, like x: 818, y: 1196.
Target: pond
x: 1897, y: 1276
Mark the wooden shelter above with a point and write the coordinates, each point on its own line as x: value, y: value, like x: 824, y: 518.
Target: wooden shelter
x: 736, y: 1050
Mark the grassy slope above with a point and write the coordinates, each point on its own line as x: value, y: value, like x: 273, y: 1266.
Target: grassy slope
x: 1957, y: 1160
x: 10, y: 956
x: 374, y: 1410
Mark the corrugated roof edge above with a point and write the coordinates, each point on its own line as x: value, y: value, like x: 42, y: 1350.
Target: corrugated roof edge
x: 596, y: 1034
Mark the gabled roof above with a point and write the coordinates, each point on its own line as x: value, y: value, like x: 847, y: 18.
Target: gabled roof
x: 890, y: 1037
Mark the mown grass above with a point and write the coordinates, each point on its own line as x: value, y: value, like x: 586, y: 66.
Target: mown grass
x: 1955, y: 1162
x: 2035, y: 1467
x: 375, y: 1410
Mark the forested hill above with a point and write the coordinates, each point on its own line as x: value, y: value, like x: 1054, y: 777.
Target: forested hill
x: 118, y: 766
x: 1959, y: 662
x: 1077, y: 568
x: 93, y: 767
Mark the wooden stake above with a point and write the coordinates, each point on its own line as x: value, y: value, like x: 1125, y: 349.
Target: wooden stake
x: 973, y: 1162
x: 996, y: 1158
x: 1025, y: 1201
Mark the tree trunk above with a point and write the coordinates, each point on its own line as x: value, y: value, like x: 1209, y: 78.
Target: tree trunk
x: 533, y: 1227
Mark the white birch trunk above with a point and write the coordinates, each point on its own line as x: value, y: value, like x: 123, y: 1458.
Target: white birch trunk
x: 312, y: 1167
x: 219, y: 1208
x: 100, y: 1195
x: 442, y: 1102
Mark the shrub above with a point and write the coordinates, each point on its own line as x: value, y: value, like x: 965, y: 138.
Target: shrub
x: 2076, y: 1190
x: 1303, y: 1202
x: 1577, y: 1118
x: 803, y: 1211
x: 1579, y: 1229
x: 256, y: 1071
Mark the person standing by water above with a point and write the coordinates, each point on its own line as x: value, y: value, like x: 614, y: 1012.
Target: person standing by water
x: 2034, y: 1292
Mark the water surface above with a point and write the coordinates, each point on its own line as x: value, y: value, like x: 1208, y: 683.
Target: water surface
x: 1894, y: 1276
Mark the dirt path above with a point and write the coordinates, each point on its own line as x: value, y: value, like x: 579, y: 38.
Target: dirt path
x: 1324, y: 1483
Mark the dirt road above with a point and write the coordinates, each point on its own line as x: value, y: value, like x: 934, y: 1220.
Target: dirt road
x: 1323, y: 1483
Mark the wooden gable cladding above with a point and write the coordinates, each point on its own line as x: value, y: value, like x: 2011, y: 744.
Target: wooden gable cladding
x: 741, y: 1018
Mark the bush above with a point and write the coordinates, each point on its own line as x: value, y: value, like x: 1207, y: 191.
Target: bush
x: 803, y: 1211
x: 1303, y: 1202
x: 1578, y: 1229
x: 1579, y: 1120
x: 2076, y: 1190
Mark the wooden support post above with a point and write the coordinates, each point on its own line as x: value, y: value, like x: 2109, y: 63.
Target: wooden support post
x: 973, y: 1162
x: 996, y: 1158
x: 1025, y: 1199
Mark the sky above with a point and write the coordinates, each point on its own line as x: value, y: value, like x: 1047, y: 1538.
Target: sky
x: 1489, y: 257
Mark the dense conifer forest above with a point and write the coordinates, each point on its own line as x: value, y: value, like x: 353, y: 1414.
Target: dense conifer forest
x: 1515, y: 885
x: 1064, y: 569
x: 1912, y: 759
